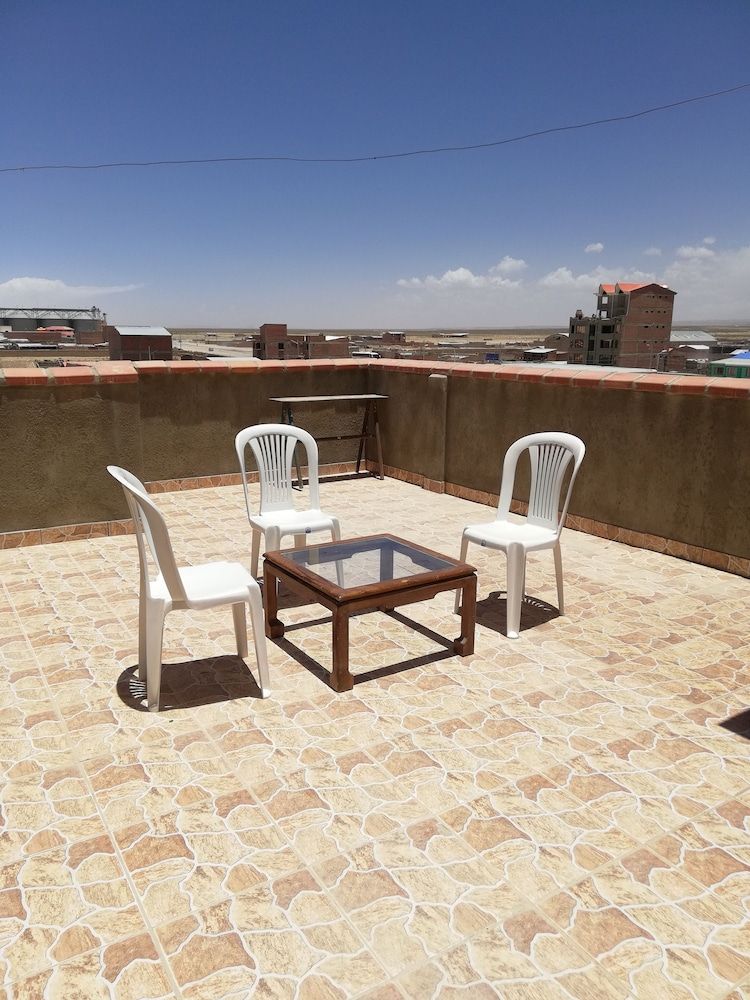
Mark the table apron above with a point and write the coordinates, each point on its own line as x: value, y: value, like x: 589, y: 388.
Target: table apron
x: 386, y: 598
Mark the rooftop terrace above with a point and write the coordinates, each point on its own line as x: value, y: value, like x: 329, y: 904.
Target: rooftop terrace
x: 565, y: 815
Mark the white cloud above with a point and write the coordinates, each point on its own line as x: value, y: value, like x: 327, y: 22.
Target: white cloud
x: 563, y: 277
x: 652, y: 252
x: 694, y: 253
x: 463, y: 278
x: 509, y: 265
x: 28, y: 291
x: 709, y: 240
x: 593, y: 248
x: 713, y: 285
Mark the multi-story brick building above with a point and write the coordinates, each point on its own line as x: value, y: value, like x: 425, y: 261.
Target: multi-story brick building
x: 274, y: 341
x: 630, y: 328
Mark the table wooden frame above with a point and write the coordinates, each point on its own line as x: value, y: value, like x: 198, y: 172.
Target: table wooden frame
x: 383, y: 596
x: 370, y: 425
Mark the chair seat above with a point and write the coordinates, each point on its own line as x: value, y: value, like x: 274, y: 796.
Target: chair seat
x: 293, y: 522
x: 208, y: 585
x: 501, y: 534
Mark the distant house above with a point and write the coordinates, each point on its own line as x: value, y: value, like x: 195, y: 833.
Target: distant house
x: 540, y: 354
x: 737, y: 366
x: 275, y: 342
x: 139, y: 343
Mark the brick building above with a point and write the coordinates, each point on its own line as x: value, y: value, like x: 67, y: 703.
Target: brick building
x: 274, y: 341
x: 139, y: 343
x: 630, y: 328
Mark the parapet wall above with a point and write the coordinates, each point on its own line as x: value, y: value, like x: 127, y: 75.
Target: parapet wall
x: 665, y: 465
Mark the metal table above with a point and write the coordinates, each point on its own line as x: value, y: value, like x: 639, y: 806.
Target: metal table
x: 370, y: 426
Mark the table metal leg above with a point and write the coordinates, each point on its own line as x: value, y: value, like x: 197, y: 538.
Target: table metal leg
x: 377, y: 438
x: 464, y: 645
x: 287, y: 418
x: 274, y: 627
x: 341, y: 679
x: 363, y: 434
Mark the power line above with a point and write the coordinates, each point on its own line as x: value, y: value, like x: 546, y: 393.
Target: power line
x: 376, y: 156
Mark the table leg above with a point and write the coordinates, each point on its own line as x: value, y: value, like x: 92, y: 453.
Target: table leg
x: 464, y: 645
x: 287, y: 418
x: 274, y: 627
x: 341, y: 679
x: 363, y: 434
x: 377, y: 438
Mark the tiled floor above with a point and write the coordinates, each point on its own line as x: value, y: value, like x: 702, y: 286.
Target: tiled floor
x: 559, y: 816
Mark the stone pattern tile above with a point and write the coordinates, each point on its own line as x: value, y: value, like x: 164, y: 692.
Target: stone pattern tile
x: 566, y: 815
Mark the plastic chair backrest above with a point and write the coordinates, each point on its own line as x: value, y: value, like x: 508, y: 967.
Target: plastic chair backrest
x: 550, y: 455
x: 273, y: 447
x: 150, y: 530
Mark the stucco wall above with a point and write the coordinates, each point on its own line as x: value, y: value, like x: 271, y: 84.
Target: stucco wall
x: 665, y: 453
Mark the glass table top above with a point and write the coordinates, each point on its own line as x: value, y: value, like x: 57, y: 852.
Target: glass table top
x: 363, y: 562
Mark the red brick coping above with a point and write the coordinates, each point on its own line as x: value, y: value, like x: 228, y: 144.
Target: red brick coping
x: 126, y: 371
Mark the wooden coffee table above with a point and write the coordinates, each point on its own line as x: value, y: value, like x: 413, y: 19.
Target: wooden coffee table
x: 375, y: 573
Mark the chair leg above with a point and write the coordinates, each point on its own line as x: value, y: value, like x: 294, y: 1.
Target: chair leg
x: 300, y: 541
x: 259, y: 639
x: 155, y: 614
x: 559, y: 575
x: 462, y: 558
x: 255, y: 553
x: 142, y: 633
x: 240, y: 628
x: 516, y: 574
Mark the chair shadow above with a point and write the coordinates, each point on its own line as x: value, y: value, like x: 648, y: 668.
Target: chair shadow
x: 738, y: 724
x: 315, y: 668
x: 191, y: 683
x: 492, y: 612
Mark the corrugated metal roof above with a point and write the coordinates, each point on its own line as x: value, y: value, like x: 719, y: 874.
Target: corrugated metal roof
x: 691, y: 337
x: 143, y: 331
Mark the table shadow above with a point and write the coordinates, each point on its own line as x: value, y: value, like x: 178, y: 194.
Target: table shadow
x: 315, y: 668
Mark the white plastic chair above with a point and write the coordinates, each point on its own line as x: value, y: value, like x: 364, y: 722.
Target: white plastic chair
x: 273, y: 447
x: 190, y: 587
x: 550, y: 455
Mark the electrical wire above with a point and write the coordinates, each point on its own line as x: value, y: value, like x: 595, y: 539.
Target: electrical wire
x: 376, y: 156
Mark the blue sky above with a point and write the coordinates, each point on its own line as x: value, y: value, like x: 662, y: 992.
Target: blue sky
x: 516, y: 235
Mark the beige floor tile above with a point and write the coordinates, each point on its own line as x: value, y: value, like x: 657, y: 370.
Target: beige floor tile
x: 127, y: 970
x: 61, y: 904
x: 283, y: 938
x: 392, y: 841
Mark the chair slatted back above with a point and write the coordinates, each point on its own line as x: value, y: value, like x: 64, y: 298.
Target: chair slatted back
x: 550, y: 455
x: 273, y: 448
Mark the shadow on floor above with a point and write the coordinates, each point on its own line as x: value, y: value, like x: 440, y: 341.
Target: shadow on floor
x: 492, y: 612
x: 377, y: 673
x: 344, y: 477
x: 738, y: 724
x: 192, y: 683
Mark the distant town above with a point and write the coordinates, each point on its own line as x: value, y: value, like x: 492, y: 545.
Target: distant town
x: 630, y: 328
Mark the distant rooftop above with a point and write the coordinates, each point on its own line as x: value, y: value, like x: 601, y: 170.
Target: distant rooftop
x: 689, y: 337
x: 143, y: 331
